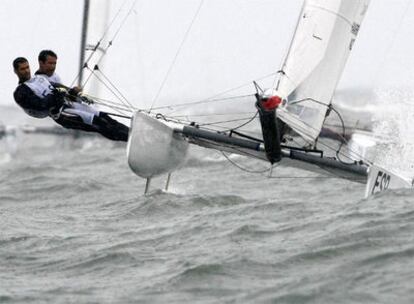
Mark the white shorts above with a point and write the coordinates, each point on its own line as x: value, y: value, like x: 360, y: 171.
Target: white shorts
x: 86, y: 112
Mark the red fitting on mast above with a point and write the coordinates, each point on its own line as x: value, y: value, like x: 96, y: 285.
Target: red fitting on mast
x: 271, y: 103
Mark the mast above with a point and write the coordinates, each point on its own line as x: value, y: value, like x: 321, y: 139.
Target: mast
x: 84, y: 35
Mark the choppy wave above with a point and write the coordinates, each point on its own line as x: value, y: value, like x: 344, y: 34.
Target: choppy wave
x: 76, y: 227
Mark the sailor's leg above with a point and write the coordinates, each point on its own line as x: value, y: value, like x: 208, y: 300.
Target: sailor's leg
x: 110, y: 128
x: 83, y: 117
x: 71, y: 121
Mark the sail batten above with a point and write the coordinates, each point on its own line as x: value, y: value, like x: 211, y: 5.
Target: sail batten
x: 323, y: 40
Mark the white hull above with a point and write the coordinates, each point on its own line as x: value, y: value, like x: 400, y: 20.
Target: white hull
x: 153, y: 147
x: 380, y: 180
x: 158, y: 147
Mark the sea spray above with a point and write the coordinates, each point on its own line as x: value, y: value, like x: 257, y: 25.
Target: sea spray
x: 394, y: 120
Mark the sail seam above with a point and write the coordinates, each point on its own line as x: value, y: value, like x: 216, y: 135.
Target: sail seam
x: 333, y: 13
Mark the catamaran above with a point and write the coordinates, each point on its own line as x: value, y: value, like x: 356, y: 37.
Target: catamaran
x: 292, y: 113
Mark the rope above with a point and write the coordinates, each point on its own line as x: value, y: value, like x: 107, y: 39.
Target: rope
x: 227, y: 121
x: 117, y: 90
x: 118, y: 115
x: 109, y: 104
x: 246, y: 123
x: 176, y: 55
x: 100, y: 40
x: 343, y: 139
x: 388, y: 52
x: 207, y: 100
x: 110, y: 43
x: 213, y: 98
x: 126, y: 104
x: 226, y: 129
x: 241, y: 168
x: 115, y: 108
x: 212, y: 114
x: 276, y: 177
x: 100, y: 100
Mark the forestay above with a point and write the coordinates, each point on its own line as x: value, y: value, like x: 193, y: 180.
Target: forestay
x: 323, y: 40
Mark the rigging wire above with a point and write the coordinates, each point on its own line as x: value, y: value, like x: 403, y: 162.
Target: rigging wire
x: 107, y: 102
x: 191, y: 122
x: 92, y: 72
x: 100, y: 41
x: 245, y: 169
x: 249, y: 119
x: 162, y: 107
x: 126, y: 105
x: 343, y: 139
x: 114, y: 92
x: 247, y: 122
x: 123, y: 99
x: 110, y: 43
x: 388, y: 52
x: 207, y: 100
x: 215, y: 96
x: 276, y: 81
x: 255, y: 156
x: 176, y: 55
x: 227, y: 129
x: 335, y: 176
x: 275, y: 166
x: 211, y: 114
x: 215, y: 124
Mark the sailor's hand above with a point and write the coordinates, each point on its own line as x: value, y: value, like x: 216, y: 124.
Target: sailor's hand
x: 84, y: 98
x: 75, y: 91
x: 59, y: 91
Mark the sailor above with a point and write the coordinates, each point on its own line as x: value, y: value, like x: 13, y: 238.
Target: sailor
x: 47, y: 65
x: 35, y: 95
x: 79, y: 114
x: 40, y: 98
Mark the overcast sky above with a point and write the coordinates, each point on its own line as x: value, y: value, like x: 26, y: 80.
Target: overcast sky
x: 231, y: 42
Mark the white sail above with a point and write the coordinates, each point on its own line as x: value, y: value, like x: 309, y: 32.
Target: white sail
x: 323, y: 40
x: 97, y: 22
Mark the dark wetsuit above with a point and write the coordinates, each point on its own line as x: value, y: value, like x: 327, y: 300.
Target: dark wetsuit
x: 36, y: 106
x: 101, y: 123
x: 41, y: 102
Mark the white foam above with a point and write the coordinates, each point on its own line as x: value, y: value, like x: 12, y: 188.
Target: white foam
x: 394, y: 119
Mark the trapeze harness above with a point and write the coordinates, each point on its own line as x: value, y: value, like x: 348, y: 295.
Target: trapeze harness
x: 85, y: 112
x: 72, y: 115
x: 41, y: 87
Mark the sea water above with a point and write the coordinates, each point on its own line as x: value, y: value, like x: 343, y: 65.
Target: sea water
x: 76, y: 227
